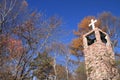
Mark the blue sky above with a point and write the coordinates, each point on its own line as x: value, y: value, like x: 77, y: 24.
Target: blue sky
x: 73, y: 11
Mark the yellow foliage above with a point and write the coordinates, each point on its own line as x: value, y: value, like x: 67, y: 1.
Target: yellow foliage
x: 77, y: 44
x: 86, y: 21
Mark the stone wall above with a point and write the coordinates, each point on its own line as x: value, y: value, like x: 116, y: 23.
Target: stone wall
x: 100, y: 62
x: 100, y: 59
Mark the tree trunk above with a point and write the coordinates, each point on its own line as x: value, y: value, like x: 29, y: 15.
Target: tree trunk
x: 54, y: 66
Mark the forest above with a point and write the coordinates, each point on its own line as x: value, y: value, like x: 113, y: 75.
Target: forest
x: 31, y: 46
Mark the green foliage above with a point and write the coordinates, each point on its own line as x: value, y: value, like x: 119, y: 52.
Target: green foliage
x: 81, y: 72
x: 61, y: 72
x: 42, y: 66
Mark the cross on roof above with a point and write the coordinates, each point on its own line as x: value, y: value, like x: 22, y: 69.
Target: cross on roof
x: 92, y: 23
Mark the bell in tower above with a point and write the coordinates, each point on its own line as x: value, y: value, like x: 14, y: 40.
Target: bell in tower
x: 99, y: 55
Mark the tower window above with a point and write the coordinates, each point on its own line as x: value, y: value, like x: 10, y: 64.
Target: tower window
x: 103, y: 37
x: 91, y: 38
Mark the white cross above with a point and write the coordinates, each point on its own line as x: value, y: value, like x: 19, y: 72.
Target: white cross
x: 92, y: 23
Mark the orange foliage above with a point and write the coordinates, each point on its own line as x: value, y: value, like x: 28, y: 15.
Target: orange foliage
x: 86, y: 21
x: 76, y: 43
x: 14, y: 47
x: 76, y: 46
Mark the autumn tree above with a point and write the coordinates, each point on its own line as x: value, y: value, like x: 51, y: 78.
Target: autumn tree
x: 42, y: 66
x: 35, y: 37
x: 55, y: 50
x: 22, y: 37
x: 61, y: 56
x: 61, y: 72
x: 9, y: 11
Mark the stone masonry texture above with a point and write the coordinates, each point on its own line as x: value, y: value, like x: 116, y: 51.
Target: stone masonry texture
x: 100, y: 59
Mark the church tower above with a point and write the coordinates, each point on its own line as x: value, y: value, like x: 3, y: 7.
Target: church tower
x: 99, y: 55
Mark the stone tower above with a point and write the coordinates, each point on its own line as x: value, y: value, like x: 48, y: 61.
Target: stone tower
x: 99, y: 56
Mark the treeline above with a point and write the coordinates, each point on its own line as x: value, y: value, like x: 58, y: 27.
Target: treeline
x: 30, y: 47
x: 29, y: 44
